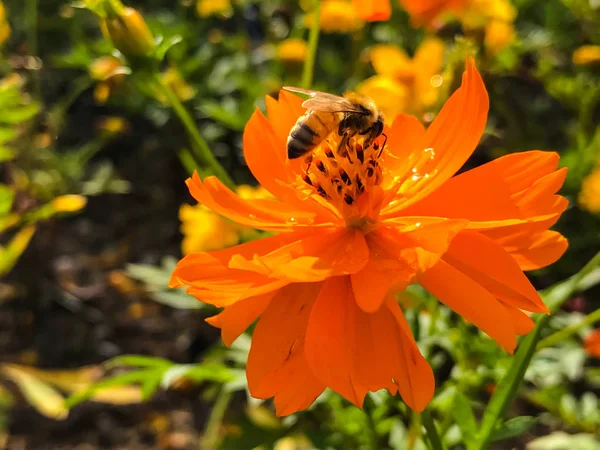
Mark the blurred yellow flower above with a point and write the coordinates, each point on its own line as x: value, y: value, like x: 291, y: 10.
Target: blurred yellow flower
x: 204, y: 230
x: 68, y: 203
x: 589, y: 196
x: 586, y: 54
x: 498, y: 35
x: 495, y: 17
x: 4, y: 26
x: 337, y: 16
x: 176, y: 82
x: 403, y: 84
x: 113, y: 124
x: 109, y: 72
x: 292, y: 50
x: 206, y: 8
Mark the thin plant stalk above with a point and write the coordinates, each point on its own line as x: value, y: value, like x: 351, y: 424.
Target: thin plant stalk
x: 211, y: 434
x: 431, y: 431
x: 313, y: 43
x: 200, y: 148
x: 569, y: 331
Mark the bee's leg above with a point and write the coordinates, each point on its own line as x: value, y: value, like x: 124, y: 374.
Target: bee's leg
x: 382, y: 145
x: 343, y: 146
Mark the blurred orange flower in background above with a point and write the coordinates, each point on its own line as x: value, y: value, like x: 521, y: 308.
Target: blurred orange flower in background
x: 373, y: 10
x: 403, y: 84
x: 592, y: 343
x: 494, y: 17
x: 357, y: 225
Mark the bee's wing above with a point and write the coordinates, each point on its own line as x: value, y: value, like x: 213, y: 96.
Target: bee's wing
x: 322, y: 101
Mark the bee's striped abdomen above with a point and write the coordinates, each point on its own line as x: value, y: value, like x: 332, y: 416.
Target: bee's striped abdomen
x: 300, y: 140
x: 309, y: 131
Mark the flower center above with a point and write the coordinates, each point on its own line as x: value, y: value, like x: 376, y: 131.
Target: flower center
x: 345, y: 173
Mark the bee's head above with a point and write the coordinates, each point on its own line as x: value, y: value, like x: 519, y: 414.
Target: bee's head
x: 377, y: 127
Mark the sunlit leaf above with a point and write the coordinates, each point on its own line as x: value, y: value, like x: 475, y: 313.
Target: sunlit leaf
x: 464, y: 417
x: 138, y: 361
x: 513, y: 427
x: 44, y: 398
x: 13, y: 250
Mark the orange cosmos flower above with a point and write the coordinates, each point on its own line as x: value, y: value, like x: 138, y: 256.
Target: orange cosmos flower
x: 424, y: 12
x: 592, y: 343
x: 373, y: 10
x: 356, y: 225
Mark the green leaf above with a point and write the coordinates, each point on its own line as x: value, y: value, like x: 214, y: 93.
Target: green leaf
x: 6, y: 154
x: 177, y: 299
x: 7, y: 196
x: 138, y: 361
x: 165, y: 45
x: 10, y: 254
x: 151, y: 385
x: 464, y: 417
x: 198, y: 373
x: 19, y: 114
x: 513, y: 428
x: 43, y: 397
x: 137, y: 377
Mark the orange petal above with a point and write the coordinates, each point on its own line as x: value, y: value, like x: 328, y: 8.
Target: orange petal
x: 385, y: 355
x: 460, y: 293
x: 405, y: 137
x: 592, y: 343
x: 452, y: 138
x: 212, y: 281
x: 330, y: 328
x: 373, y: 10
x: 507, y: 193
x: 276, y: 365
x: 415, y: 381
x: 487, y: 263
x: 264, y: 214
x: 239, y: 316
x: 264, y: 152
x: 534, y: 251
x: 283, y: 114
x: 523, y: 324
x: 398, y: 253
x: 315, y: 257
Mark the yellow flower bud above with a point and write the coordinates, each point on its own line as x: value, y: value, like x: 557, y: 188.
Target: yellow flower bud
x: 129, y: 33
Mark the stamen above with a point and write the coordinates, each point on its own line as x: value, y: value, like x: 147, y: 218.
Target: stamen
x: 342, y: 169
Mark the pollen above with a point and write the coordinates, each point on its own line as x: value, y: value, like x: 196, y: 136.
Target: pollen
x: 343, y: 172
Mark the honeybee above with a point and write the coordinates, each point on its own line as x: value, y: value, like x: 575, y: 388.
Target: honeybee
x: 351, y: 114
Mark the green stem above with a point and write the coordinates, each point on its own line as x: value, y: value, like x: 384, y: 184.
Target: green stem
x: 507, y: 388
x: 432, y: 433
x: 199, y: 146
x: 212, y: 432
x: 313, y: 43
x: 31, y: 24
x: 565, y: 333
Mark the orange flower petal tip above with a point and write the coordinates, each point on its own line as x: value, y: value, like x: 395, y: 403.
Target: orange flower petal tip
x: 357, y: 221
